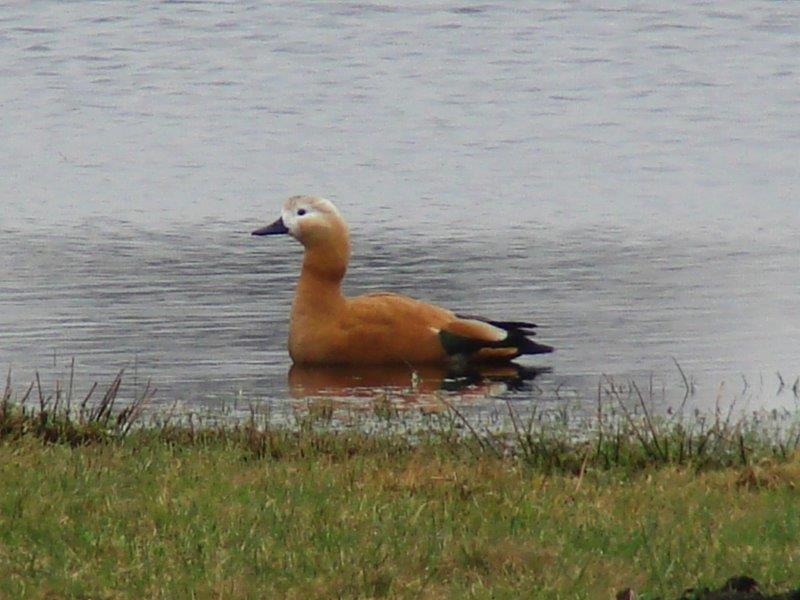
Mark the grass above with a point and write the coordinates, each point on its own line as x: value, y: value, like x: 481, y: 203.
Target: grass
x: 94, y: 506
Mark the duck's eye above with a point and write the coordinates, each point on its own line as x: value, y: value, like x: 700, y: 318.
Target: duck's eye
x: 301, y: 212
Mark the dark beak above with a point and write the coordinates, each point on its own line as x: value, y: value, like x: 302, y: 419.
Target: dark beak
x: 276, y: 228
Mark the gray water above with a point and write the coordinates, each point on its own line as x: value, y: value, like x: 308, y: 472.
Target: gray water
x: 626, y: 176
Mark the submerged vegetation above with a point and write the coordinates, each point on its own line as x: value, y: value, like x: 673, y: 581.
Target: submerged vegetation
x: 100, y: 498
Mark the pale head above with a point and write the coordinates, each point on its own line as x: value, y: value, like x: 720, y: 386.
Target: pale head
x: 310, y: 220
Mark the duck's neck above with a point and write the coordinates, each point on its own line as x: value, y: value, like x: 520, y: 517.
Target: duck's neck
x: 324, y: 266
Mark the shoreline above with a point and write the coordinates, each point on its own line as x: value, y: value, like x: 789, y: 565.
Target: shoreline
x: 96, y: 503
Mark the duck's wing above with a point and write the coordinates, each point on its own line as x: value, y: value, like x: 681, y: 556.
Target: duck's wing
x: 483, y: 339
x: 474, y: 338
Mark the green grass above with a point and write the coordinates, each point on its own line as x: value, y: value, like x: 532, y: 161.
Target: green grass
x: 91, y: 507
x: 360, y: 518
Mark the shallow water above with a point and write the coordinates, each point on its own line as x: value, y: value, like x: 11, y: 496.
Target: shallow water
x: 627, y: 178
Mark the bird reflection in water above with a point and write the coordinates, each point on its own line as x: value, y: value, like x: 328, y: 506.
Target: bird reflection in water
x: 421, y: 387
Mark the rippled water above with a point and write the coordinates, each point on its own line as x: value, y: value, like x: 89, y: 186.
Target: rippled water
x: 626, y: 177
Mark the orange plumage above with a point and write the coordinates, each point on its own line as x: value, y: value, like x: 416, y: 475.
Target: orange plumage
x: 374, y: 329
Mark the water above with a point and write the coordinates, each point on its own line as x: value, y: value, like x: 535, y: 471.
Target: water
x: 627, y: 177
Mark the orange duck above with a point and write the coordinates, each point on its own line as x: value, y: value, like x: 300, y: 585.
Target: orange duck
x: 382, y: 328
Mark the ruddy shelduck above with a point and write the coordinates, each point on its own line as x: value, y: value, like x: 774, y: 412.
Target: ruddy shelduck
x: 382, y: 328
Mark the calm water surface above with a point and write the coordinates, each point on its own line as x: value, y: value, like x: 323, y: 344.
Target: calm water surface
x: 627, y: 177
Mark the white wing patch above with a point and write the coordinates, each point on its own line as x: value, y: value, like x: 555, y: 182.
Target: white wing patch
x: 492, y: 333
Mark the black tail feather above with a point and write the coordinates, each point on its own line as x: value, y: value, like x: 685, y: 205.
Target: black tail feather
x: 528, y: 346
x: 519, y: 334
x: 513, y: 324
x: 501, y: 324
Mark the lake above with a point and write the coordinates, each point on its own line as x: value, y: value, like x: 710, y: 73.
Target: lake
x: 625, y: 175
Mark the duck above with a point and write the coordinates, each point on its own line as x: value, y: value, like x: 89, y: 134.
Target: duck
x: 328, y: 329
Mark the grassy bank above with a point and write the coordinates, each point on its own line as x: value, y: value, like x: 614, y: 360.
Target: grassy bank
x: 90, y: 507
x: 149, y: 518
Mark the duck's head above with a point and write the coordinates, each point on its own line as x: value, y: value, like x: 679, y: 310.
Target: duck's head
x: 310, y: 220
